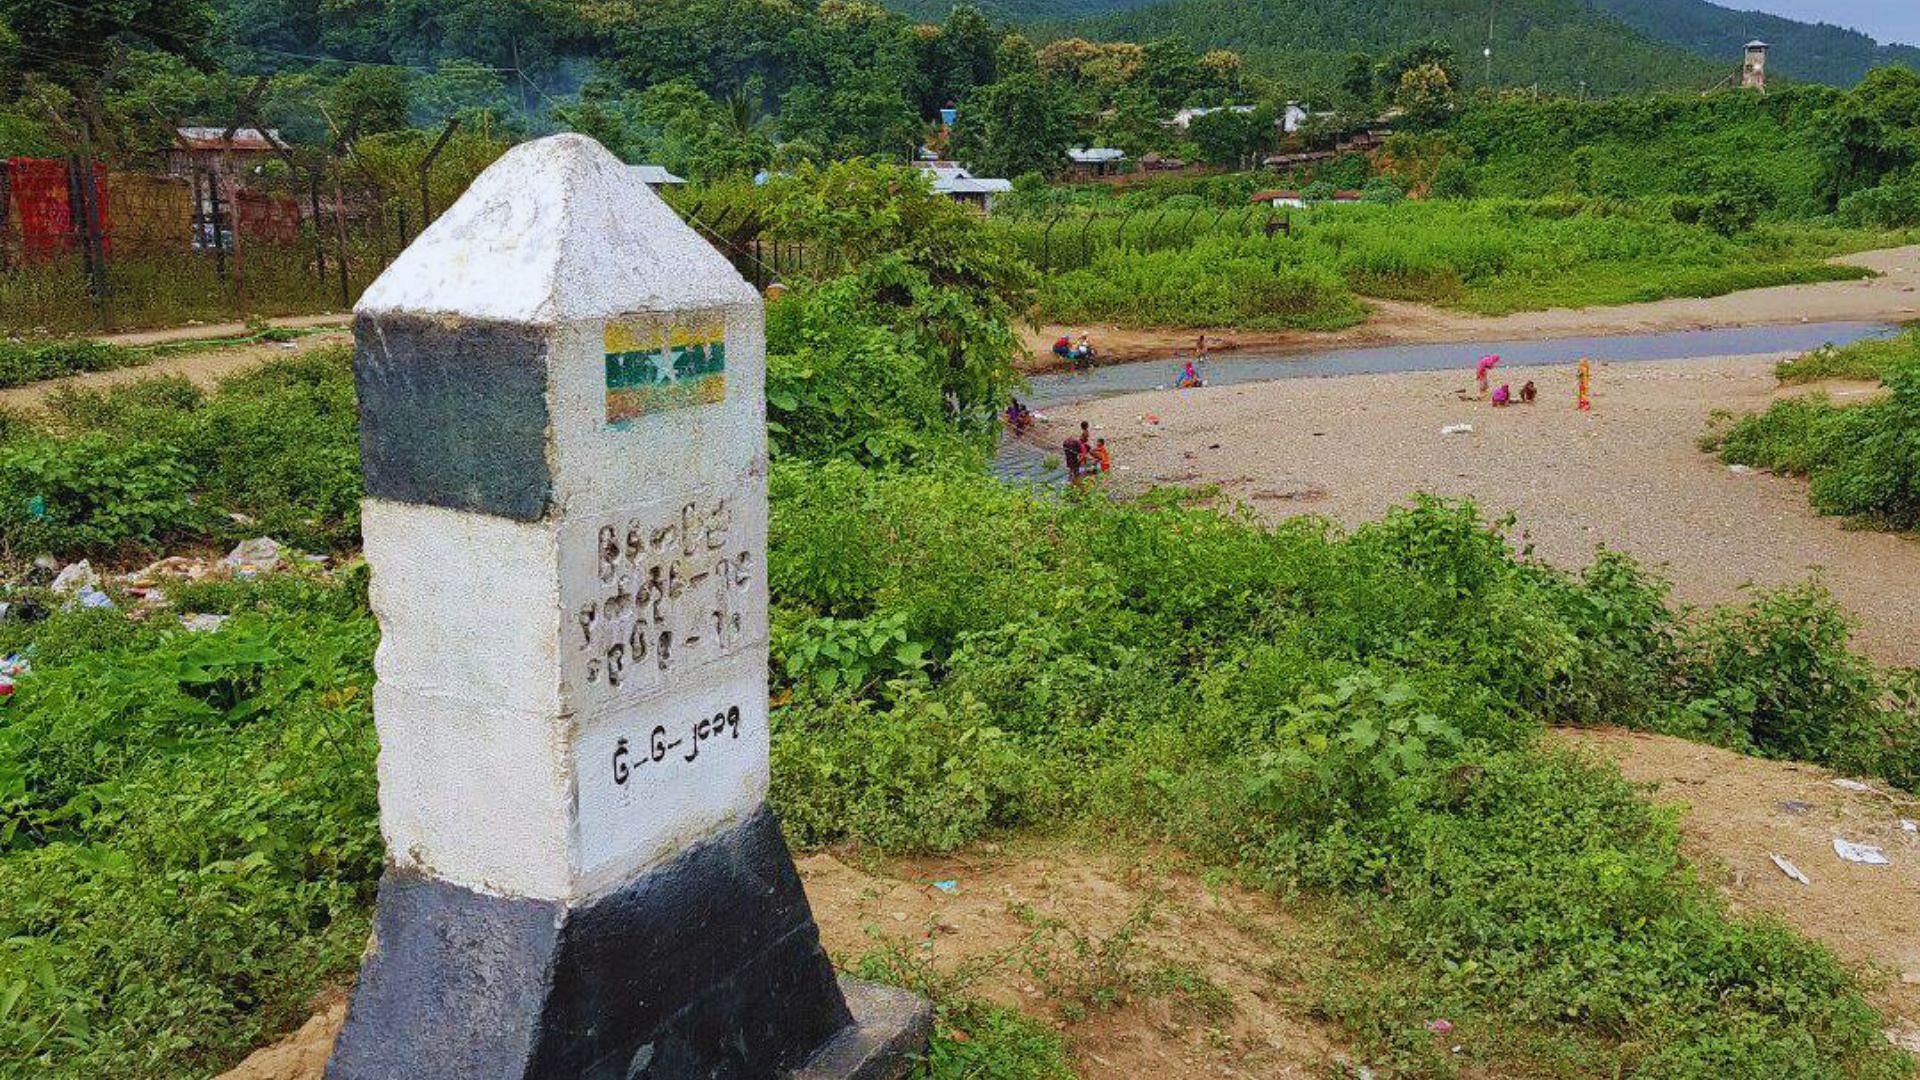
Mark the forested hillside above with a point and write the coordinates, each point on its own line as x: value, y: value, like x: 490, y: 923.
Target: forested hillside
x: 1806, y: 51
x: 1560, y: 45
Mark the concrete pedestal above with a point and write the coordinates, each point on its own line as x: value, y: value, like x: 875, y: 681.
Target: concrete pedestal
x: 563, y: 428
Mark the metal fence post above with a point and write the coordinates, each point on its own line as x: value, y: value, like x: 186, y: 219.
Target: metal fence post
x: 217, y: 226
x: 426, y: 168
x: 319, y: 225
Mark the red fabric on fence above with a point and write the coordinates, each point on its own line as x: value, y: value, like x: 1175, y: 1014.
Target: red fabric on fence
x: 272, y: 219
x: 39, y: 189
x: 42, y: 208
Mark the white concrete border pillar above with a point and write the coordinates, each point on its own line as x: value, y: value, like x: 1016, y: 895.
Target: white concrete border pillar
x: 563, y: 432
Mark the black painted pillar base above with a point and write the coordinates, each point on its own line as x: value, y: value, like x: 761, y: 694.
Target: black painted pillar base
x: 707, y: 966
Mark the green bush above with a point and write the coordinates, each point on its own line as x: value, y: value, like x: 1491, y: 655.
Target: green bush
x: 274, y: 451
x: 1868, y: 359
x: 1862, y: 460
x: 23, y: 362
x: 1356, y: 717
x: 188, y: 844
x: 1893, y: 204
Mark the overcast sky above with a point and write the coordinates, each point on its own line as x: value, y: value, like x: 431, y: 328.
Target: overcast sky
x: 1887, y: 20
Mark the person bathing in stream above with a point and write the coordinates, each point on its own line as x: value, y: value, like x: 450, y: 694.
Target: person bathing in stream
x: 1188, y: 377
x: 1083, y: 353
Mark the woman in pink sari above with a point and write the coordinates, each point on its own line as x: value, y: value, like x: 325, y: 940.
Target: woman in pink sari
x: 1487, y: 363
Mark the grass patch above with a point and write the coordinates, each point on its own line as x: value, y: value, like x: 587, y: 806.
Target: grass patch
x: 1257, y: 284
x: 1863, y: 460
x: 1493, y: 256
x: 1863, y: 361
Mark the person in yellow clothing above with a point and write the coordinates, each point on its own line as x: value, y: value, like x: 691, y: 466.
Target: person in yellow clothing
x: 1584, y: 376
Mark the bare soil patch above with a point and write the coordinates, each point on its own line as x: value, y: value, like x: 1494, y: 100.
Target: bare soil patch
x: 1742, y: 810
x: 1144, y: 969
x: 1629, y: 474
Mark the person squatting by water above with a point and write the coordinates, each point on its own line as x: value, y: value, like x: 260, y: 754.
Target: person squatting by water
x: 1079, y: 356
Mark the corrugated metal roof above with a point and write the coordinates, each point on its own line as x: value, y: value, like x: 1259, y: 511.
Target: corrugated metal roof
x: 655, y: 175
x: 954, y: 180
x: 1096, y: 155
x: 215, y: 138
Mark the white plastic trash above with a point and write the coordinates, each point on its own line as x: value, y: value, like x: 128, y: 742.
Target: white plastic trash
x: 77, y: 577
x: 1789, y: 869
x: 260, y: 553
x: 1457, y: 429
x: 1860, y: 853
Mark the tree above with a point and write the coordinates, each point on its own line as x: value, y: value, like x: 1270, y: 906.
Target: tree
x: 847, y: 84
x: 1425, y: 95
x: 948, y: 286
x: 1870, y: 133
x: 73, y: 44
x: 1229, y: 138
x: 1016, y: 125
x: 1356, y: 79
x: 370, y: 100
x: 969, y: 48
x: 1171, y: 71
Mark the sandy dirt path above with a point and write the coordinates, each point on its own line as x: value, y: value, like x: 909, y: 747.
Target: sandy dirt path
x: 205, y: 367
x: 1740, y: 810
x: 1628, y: 475
x: 198, y: 331
x: 1894, y: 296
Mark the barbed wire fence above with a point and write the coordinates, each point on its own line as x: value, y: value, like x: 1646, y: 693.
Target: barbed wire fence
x: 213, y: 230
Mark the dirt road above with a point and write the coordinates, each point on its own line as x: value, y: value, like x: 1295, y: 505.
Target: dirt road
x: 1628, y: 475
x: 204, y: 367
x: 1892, y: 297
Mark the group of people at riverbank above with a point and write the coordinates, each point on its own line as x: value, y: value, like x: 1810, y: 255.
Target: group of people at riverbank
x: 1504, y: 395
x: 1085, y: 456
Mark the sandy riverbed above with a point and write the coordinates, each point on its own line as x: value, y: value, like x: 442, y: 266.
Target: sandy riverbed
x: 1628, y: 475
x: 1894, y: 296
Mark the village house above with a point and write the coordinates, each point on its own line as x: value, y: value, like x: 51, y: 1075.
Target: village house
x: 955, y: 182
x: 1185, y: 117
x: 1093, y: 161
x: 657, y: 176
x: 212, y: 149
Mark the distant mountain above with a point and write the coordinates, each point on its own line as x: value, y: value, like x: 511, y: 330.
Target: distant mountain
x: 1555, y: 44
x: 1610, y: 45
x: 1813, y: 52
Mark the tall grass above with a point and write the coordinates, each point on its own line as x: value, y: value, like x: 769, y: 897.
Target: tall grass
x: 1215, y: 282
x: 1488, y: 257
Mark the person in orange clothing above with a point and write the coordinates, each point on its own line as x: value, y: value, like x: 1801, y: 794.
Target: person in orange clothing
x: 1584, y: 378
x: 1102, y: 455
